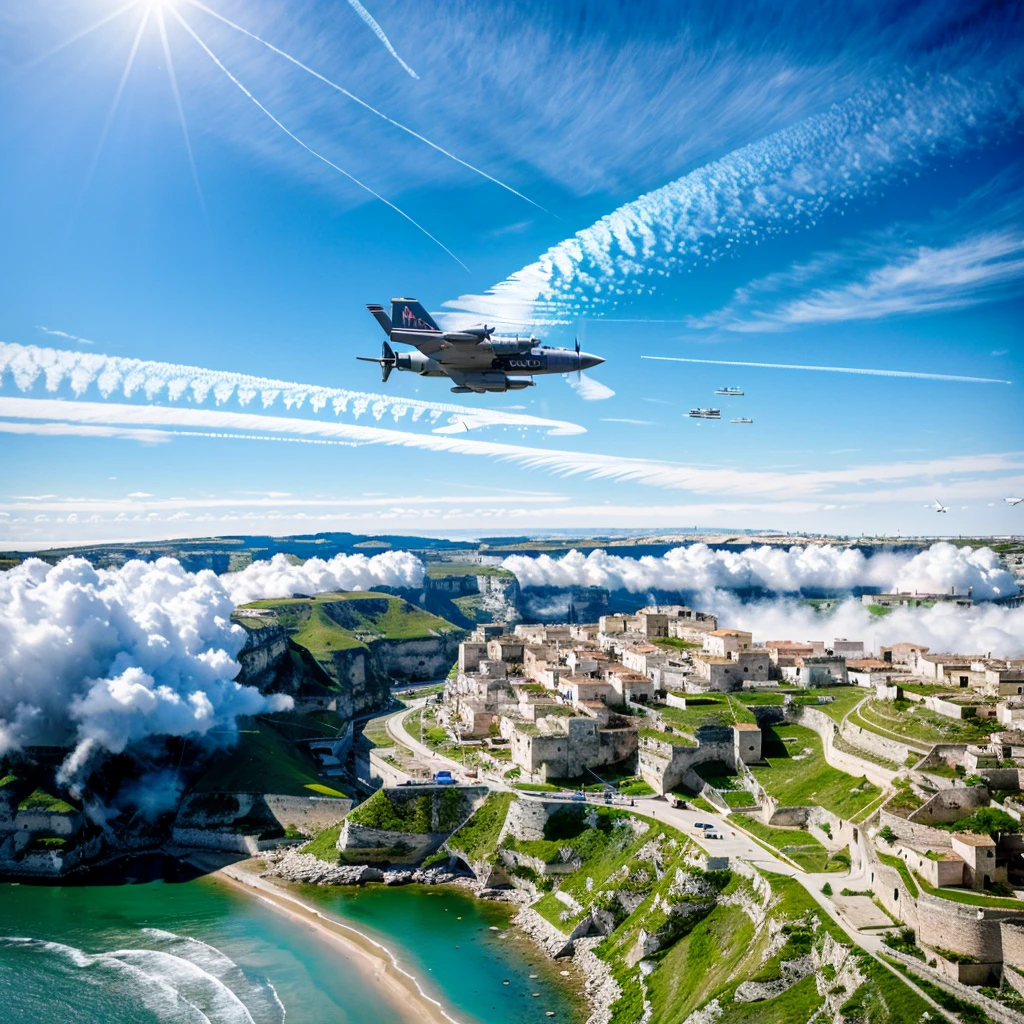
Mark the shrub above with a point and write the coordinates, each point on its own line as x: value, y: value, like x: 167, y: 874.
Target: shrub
x: 888, y: 835
x: 826, y: 889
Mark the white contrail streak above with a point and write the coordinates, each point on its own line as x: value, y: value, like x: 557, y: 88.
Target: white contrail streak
x: 592, y: 465
x: 174, y: 381
x: 309, y: 149
x: 177, y: 102
x: 836, y: 369
x: 363, y: 103
x: 379, y: 33
x: 778, y: 185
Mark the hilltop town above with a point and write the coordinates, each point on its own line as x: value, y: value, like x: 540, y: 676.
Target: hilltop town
x: 838, y: 827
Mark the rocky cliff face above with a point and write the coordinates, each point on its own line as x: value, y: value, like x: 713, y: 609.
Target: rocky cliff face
x: 358, y: 679
x: 467, y: 600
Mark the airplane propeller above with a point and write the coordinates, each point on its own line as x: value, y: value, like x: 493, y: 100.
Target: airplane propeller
x: 387, y: 361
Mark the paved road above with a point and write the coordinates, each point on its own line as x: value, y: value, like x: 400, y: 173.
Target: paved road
x: 395, y: 726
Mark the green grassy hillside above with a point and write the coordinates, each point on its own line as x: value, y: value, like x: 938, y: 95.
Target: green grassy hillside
x: 341, y: 621
x: 265, y: 760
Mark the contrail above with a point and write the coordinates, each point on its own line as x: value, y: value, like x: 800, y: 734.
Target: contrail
x: 379, y: 33
x: 177, y: 102
x: 309, y: 149
x: 560, y: 462
x: 777, y: 185
x: 363, y: 103
x: 174, y: 381
x: 837, y: 369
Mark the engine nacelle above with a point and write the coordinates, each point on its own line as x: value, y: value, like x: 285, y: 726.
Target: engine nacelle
x: 417, y: 362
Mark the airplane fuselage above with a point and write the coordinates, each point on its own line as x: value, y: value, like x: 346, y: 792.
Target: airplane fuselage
x: 474, y: 359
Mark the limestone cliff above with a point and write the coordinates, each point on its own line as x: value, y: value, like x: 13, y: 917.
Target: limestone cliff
x: 343, y: 651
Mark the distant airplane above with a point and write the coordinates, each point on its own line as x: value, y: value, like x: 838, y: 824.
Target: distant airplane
x: 729, y: 391
x: 705, y: 414
x: 937, y: 507
x: 1013, y: 501
x: 742, y: 419
x: 473, y: 359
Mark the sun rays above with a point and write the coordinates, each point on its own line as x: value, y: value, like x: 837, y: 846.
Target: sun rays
x: 152, y: 13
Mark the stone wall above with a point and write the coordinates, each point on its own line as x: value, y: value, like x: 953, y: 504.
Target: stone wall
x: 400, y: 847
x: 917, y: 834
x: 308, y: 814
x: 891, y: 750
x: 826, y: 728
x: 951, y: 805
x: 664, y: 765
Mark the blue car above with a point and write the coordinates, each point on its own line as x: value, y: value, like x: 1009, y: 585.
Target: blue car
x: 578, y: 796
x: 444, y: 778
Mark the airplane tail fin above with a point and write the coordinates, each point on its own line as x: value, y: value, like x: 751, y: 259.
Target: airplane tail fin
x: 409, y: 315
x: 381, y: 317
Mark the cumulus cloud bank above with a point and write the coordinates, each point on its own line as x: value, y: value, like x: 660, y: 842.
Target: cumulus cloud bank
x: 982, y: 629
x: 279, y: 578
x: 696, y: 567
x: 101, y: 659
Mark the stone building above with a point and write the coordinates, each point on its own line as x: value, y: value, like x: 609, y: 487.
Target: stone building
x: 721, y: 643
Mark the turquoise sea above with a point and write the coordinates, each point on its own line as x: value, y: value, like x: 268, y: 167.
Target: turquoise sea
x: 194, y: 950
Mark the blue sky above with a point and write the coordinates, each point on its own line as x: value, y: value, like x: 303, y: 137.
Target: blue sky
x: 839, y: 185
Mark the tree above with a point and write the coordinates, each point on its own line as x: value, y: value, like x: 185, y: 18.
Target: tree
x: 887, y: 834
x: 826, y: 889
x: 987, y: 821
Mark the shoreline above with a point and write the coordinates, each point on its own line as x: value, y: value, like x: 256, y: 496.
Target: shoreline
x: 398, y: 986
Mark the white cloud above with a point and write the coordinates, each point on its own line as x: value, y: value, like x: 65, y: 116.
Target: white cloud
x: 781, y: 183
x: 589, y: 389
x: 924, y: 279
x: 982, y: 629
x: 64, y: 334
x: 172, y: 382
x: 101, y: 659
x: 593, y: 465
x: 698, y: 567
x: 279, y: 578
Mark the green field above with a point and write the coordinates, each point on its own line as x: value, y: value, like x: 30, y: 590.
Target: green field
x: 797, y: 774
x: 263, y: 761
x: 335, y: 622
x: 40, y: 800
x: 846, y: 698
x: 439, y: 570
x: 918, y: 725
x: 799, y: 846
x: 707, y: 709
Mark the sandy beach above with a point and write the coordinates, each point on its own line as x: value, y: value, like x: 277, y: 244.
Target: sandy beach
x: 398, y: 986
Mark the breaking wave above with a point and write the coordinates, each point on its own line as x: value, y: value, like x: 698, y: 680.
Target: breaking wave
x: 174, y: 979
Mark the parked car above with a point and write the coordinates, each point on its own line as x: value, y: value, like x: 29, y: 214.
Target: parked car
x: 444, y: 778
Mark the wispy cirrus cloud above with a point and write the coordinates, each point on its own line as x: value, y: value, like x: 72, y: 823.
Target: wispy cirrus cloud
x: 64, y: 334
x: 774, y: 484
x: 922, y: 279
